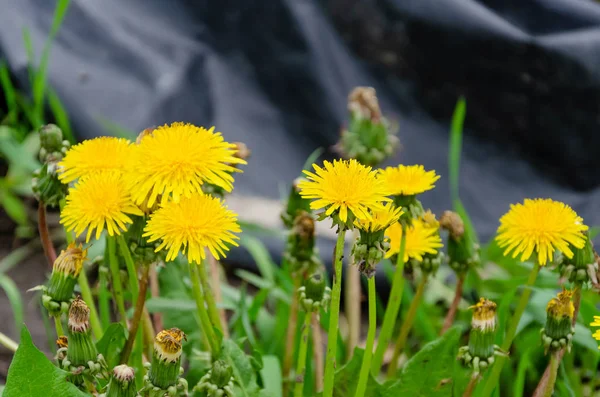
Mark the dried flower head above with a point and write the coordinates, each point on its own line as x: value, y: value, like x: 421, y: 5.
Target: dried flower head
x: 175, y: 160
x: 70, y: 261
x: 167, y: 344
x: 62, y: 342
x: 452, y: 222
x: 93, y: 156
x: 79, y: 316
x: 541, y: 226
x: 123, y: 373
x: 484, y: 314
x: 344, y: 186
x: 363, y: 101
x: 561, y: 306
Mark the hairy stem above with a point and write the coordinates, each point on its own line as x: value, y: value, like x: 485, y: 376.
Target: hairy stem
x: 203, y: 318
x: 392, y: 308
x: 492, y: 380
x: 334, y: 316
x: 301, y: 365
x: 366, y: 363
x: 137, y: 315
x: 352, y: 304
x: 116, y: 279
x: 216, y: 283
x: 213, y: 312
x: 449, y: 320
x: 318, y: 352
x: 45, y: 234
x: 407, y: 325
x: 290, y: 337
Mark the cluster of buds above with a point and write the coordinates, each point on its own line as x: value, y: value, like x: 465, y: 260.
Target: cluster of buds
x: 559, y: 330
x: 218, y: 381
x: 82, y: 358
x: 480, y: 352
x: 411, y: 207
x: 463, y: 253
x: 164, y: 373
x: 58, y: 293
x: 369, y: 250
x: 122, y: 382
x: 314, y: 294
x: 583, y: 266
x: 241, y: 152
x: 369, y: 137
x: 45, y: 184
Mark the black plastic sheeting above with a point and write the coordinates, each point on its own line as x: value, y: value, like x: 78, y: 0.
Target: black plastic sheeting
x: 275, y: 74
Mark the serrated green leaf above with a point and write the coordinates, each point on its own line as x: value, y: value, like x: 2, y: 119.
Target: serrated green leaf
x: 429, y: 372
x: 31, y: 374
x: 243, y: 372
x: 112, y: 343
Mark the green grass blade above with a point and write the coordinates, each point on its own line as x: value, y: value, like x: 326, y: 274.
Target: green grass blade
x: 15, y: 300
x: 456, y: 131
x: 60, y: 115
x: 39, y: 81
x: 9, y: 93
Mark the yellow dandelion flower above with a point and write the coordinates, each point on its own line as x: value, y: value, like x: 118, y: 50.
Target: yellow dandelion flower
x: 561, y: 306
x: 93, y: 156
x: 175, y: 160
x: 381, y: 219
x: 193, y: 224
x: 344, y: 185
x: 540, y: 225
x: 596, y: 336
x: 408, y: 180
x: 420, y: 240
x: 97, y: 201
x: 596, y: 322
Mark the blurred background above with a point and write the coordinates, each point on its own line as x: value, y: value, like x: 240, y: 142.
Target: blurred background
x: 276, y: 74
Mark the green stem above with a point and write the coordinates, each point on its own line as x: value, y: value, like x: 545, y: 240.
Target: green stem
x: 103, y: 297
x: 205, y: 324
x: 391, y: 312
x: 334, y: 316
x: 131, y: 269
x: 116, y: 279
x: 301, y: 366
x: 213, y: 312
x: 492, y: 380
x: 407, y: 325
x: 86, y: 294
x: 366, y: 363
x: 58, y: 325
x: 554, y: 362
x: 8, y: 343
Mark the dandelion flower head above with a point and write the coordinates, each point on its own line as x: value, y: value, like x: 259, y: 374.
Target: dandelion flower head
x: 344, y: 185
x: 98, y: 201
x: 380, y: 219
x: 421, y: 239
x: 408, y: 180
x: 541, y: 226
x: 176, y: 160
x: 192, y: 224
x: 92, y: 156
x: 596, y: 323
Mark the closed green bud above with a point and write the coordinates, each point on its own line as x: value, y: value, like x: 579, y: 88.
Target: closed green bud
x: 582, y: 267
x: 122, y: 382
x: 221, y: 373
x: 300, y: 252
x: 463, y: 253
x: 46, y: 187
x: 314, y: 294
x: 51, y: 139
x: 218, y: 382
x: 295, y: 205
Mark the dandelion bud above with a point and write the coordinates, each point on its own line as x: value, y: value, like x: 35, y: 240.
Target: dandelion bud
x: 295, y: 205
x: 122, y: 383
x: 480, y: 352
x: 582, y: 267
x: 165, y: 370
x: 463, y: 253
x: 369, y: 137
x: 301, y: 253
x: 52, y: 145
x: 218, y: 382
x: 81, y: 349
x: 559, y: 330
x: 65, y: 272
x: 45, y: 184
x: 314, y: 294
